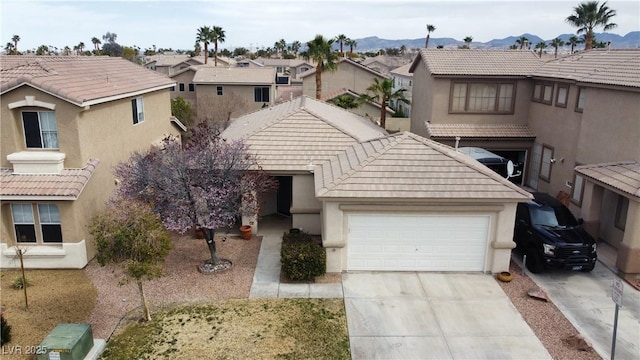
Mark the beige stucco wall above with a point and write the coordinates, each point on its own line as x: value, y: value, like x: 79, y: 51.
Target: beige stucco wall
x: 335, y: 229
x: 185, y: 78
x: 305, y: 208
x: 346, y: 76
x: 105, y: 132
x: 246, y: 92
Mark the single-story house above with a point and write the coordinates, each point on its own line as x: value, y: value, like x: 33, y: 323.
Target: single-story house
x: 380, y: 202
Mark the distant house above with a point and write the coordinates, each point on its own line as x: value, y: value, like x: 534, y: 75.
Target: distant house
x: 287, y: 69
x: 369, y: 109
x: 572, y: 122
x: 384, y: 63
x: 403, y: 79
x: 349, y: 75
x: 66, y: 122
x: 173, y: 63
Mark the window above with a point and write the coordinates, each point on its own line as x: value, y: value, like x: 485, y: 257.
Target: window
x: 261, y: 94
x: 621, y: 212
x: 181, y: 86
x: 23, y: 223
x: 172, y: 89
x: 40, y: 129
x: 543, y: 92
x: 561, y: 96
x: 50, y: 223
x: 137, y: 107
x: 192, y: 87
x: 580, y: 102
x: 25, y: 226
x: 578, y: 189
x: 545, y: 164
x: 482, y: 98
x: 219, y: 90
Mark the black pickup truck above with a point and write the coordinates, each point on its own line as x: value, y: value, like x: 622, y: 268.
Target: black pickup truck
x: 551, y: 237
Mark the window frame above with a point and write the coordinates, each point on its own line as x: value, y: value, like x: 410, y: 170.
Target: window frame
x: 539, y: 91
x: 546, y: 177
x: 192, y: 87
x: 49, y: 223
x: 41, y: 132
x: 261, y: 90
x: 566, y: 96
x: 21, y: 223
x: 496, y: 99
x: 137, y: 103
x: 580, y: 107
x: 219, y: 90
x: 577, y: 200
x: 181, y: 87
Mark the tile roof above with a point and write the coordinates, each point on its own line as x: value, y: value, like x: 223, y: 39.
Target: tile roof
x: 604, y: 67
x: 294, y: 134
x: 238, y: 75
x: 348, y: 61
x: 623, y: 175
x: 168, y: 60
x: 80, y: 80
x: 466, y: 62
x: 284, y: 62
x: 64, y: 186
x: 479, y: 130
x: 403, y: 70
x: 407, y: 166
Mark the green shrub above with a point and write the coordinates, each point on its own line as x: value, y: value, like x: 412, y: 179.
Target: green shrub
x: 19, y: 284
x: 5, y: 331
x: 301, y: 258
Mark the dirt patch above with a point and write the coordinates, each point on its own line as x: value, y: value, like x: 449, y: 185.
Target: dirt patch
x: 55, y: 296
x: 182, y: 283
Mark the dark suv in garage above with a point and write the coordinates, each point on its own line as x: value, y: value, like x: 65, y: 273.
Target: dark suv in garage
x: 551, y: 237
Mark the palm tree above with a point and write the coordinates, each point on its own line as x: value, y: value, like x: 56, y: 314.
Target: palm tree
x: 467, y: 41
x: 80, y: 48
x: 541, y: 45
x: 10, y: 48
x: 320, y: 50
x: 352, y: 44
x: 588, y: 15
x: 67, y: 50
x: 197, y: 49
x: 15, y: 39
x: 556, y: 43
x: 403, y: 49
x: 341, y: 39
x: 217, y: 36
x: 573, y: 41
x: 96, y: 44
x: 522, y: 41
x: 430, y: 29
x: 204, y: 36
x: 280, y: 46
x: 295, y: 47
x: 382, y: 92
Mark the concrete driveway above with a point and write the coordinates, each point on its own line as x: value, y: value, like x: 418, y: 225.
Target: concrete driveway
x: 434, y: 316
x: 585, y: 300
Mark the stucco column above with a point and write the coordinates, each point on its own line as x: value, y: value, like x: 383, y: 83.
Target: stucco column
x: 590, y: 210
x: 628, y: 260
x: 502, y: 243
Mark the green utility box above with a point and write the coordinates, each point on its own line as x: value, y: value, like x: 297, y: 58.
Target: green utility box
x: 67, y: 342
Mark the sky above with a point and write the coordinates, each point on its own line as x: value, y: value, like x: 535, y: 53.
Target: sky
x: 259, y: 24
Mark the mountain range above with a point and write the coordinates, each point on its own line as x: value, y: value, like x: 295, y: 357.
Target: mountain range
x: 374, y: 43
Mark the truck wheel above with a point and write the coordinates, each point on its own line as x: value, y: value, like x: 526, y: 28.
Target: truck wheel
x: 534, y: 261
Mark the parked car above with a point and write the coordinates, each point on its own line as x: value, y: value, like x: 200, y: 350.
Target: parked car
x: 551, y: 237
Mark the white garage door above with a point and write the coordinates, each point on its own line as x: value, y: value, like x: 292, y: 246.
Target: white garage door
x: 413, y: 242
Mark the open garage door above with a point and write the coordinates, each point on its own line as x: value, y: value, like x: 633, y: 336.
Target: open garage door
x: 417, y: 242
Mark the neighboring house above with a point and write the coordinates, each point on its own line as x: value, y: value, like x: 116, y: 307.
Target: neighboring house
x: 481, y: 97
x: 384, y: 64
x: 369, y: 109
x: 184, y: 87
x: 248, y: 63
x: 66, y: 121
x: 403, y: 79
x: 174, y: 63
x: 255, y: 86
x: 380, y: 202
x: 287, y: 69
x: 585, y: 113
x: 349, y: 75
x: 572, y: 121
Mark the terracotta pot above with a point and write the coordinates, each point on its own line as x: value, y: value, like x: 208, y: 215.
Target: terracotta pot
x: 505, y: 276
x: 245, y: 231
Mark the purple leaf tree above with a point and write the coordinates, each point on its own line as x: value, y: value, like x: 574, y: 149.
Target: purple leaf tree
x: 205, y: 183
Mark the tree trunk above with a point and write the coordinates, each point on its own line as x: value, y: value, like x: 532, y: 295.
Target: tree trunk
x: 211, y: 244
x: 143, y: 299
x: 215, y: 54
x: 318, y: 82
x: 24, y: 280
x: 206, y: 53
x: 426, y: 43
x: 588, y: 44
x: 383, y: 114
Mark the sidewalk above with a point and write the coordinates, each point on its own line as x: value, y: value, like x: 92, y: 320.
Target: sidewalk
x: 266, y: 279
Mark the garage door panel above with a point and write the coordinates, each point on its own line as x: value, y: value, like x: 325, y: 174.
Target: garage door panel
x: 415, y: 242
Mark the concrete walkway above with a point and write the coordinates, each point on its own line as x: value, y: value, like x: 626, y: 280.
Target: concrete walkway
x: 266, y: 279
x: 585, y: 300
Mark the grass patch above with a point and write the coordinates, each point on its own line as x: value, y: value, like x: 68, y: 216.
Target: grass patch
x: 55, y: 296
x: 239, y: 329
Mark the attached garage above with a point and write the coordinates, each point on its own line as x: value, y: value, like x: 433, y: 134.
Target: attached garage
x: 417, y: 242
